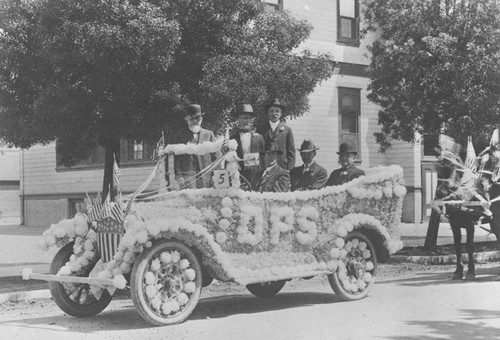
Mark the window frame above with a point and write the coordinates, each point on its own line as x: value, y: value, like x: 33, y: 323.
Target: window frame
x: 277, y: 7
x: 354, y: 110
x: 96, y: 159
x: 353, y: 41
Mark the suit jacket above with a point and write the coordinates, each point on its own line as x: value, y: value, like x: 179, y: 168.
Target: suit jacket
x: 341, y: 176
x: 313, y: 179
x: 186, y: 166
x: 283, y: 137
x: 256, y: 145
x: 276, y: 179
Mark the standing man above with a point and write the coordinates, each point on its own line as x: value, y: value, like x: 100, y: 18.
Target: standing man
x: 277, y: 132
x: 310, y: 175
x: 187, y: 166
x: 274, y: 178
x: 347, y: 153
x: 251, y: 145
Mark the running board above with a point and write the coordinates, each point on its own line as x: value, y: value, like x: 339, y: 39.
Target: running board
x: 28, y: 275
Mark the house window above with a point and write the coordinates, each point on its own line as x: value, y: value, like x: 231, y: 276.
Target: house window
x: 138, y: 150
x: 273, y: 5
x: 348, y: 22
x: 349, y: 112
x: 130, y: 153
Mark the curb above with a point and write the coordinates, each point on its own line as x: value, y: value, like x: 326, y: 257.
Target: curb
x: 487, y: 256
x: 28, y: 295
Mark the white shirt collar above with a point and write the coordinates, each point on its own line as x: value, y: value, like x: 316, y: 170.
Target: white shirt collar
x: 274, y: 125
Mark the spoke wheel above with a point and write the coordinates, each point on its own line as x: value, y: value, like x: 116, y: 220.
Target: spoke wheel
x: 166, y: 283
x: 355, y: 275
x: 75, y: 299
x: 266, y: 289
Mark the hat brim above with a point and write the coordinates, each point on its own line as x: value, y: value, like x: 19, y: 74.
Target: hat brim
x: 353, y: 152
x: 282, y: 107
x: 278, y: 152
x: 307, y: 150
x: 195, y: 115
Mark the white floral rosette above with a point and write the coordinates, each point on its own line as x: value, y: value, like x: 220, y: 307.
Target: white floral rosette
x: 169, y: 283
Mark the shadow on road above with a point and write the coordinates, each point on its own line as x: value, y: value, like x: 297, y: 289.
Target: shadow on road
x: 433, y: 278
x: 224, y: 306
x: 457, y: 329
x: 123, y: 315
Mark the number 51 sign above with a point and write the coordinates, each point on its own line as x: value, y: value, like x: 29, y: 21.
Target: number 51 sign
x: 221, y: 179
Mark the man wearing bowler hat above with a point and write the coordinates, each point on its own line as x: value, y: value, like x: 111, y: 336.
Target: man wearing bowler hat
x: 277, y: 132
x: 274, y: 178
x: 310, y: 175
x: 251, y: 145
x: 187, y: 166
x: 347, y: 153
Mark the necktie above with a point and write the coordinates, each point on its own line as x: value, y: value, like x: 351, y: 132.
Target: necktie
x: 306, y: 169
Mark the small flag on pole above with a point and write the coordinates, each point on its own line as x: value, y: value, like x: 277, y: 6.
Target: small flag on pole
x: 470, y: 159
x: 116, y: 173
x: 117, y: 212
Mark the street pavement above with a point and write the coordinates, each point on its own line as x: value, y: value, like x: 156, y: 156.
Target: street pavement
x: 19, y: 249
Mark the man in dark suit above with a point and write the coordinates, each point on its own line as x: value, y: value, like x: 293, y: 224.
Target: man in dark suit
x: 310, y: 175
x: 277, y: 132
x: 274, y: 178
x: 251, y: 146
x: 187, y: 166
x: 347, y: 153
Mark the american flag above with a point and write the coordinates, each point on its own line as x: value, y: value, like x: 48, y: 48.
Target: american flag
x: 106, y: 209
x: 116, y: 173
x: 117, y: 212
x: 470, y: 159
x: 109, y: 234
x: 95, y: 209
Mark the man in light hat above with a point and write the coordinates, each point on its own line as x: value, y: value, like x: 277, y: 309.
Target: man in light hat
x: 347, y: 153
x: 274, y: 178
x: 277, y: 132
x: 310, y: 175
x: 187, y: 166
x: 251, y: 145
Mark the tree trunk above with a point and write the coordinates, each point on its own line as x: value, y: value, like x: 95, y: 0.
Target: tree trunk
x: 432, y: 231
x: 111, y: 147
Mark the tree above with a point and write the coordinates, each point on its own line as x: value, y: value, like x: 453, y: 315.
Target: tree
x: 436, y: 65
x: 94, y: 72
x: 437, y: 62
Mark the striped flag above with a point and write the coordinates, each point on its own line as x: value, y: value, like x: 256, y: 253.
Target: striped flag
x: 116, y: 173
x: 106, y: 209
x: 109, y: 234
x: 117, y: 212
x: 95, y: 212
x: 470, y: 158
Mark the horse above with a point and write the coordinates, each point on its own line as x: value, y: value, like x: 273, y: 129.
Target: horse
x: 469, y: 199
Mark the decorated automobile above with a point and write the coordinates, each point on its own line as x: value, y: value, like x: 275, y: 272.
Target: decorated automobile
x: 166, y: 245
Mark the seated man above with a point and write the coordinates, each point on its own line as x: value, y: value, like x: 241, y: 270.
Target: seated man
x: 274, y: 178
x: 347, y: 153
x: 310, y: 175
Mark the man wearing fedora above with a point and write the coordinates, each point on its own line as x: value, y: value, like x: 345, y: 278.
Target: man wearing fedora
x: 347, y: 153
x: 274, y: 178
x: 310, y: 175
x: 187, y: 166
x: 251, y: 145
x: 277, y: 132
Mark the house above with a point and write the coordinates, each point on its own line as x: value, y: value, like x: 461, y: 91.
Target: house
x: 339, y: 112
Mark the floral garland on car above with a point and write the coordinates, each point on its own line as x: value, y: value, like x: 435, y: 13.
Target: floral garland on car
x: 234, y: 223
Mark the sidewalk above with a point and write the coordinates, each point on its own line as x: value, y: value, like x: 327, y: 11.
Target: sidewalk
x: 19, y: 249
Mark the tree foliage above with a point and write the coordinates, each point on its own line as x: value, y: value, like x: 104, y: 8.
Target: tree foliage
x: 88, y: 73
x: 436, y: 63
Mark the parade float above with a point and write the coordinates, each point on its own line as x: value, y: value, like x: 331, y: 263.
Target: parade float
x: 166, y: 245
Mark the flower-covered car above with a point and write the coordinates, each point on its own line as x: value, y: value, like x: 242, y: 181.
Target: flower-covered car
x: 174, y: 243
